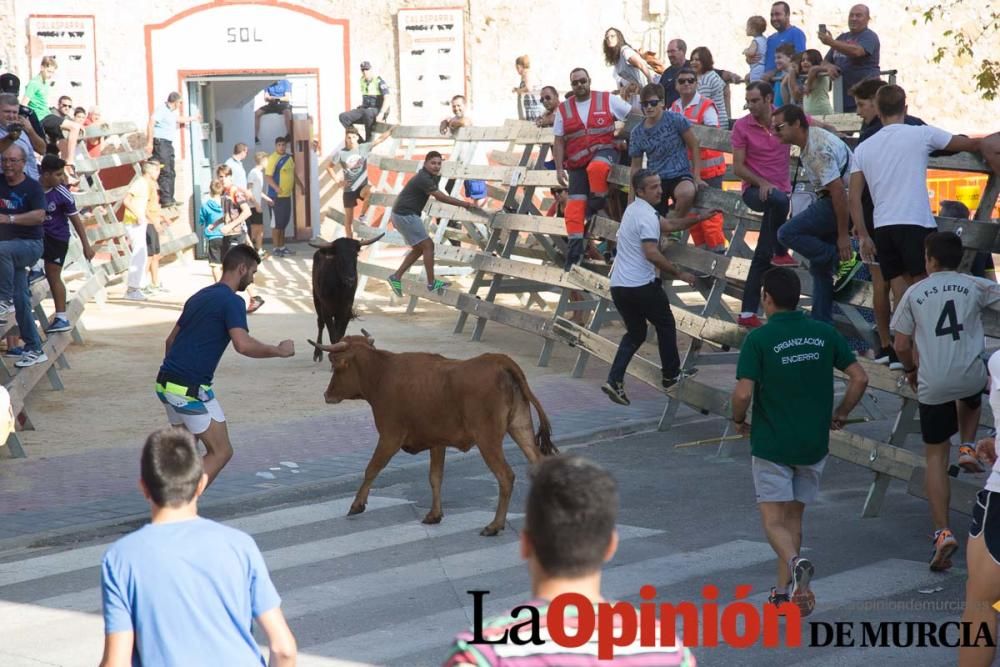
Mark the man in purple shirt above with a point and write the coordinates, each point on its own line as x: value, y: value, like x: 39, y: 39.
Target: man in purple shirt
x: 60, y: 210
x: 761, y: 161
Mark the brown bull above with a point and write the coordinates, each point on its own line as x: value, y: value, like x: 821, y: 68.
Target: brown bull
x: 425, y: 401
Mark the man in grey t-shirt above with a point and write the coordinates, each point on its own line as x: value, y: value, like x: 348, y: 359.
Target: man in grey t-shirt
x: 854, y: 54
x: 637, y: 292
x: 407, y: 221
x: 943, y: 314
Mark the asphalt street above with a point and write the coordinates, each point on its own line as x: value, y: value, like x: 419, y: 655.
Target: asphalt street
x: 383, y: 589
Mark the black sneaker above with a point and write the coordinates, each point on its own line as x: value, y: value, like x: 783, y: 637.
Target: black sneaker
x: 616, y: 392
x: 846, y: 271
x: 683, y: 375
x: 777, y: 598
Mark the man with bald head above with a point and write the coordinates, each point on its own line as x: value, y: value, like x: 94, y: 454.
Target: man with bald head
x: 854, y: 55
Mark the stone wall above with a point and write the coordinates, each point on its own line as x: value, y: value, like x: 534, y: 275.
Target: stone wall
x: 557, y: 35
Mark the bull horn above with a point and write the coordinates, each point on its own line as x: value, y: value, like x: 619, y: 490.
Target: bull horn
x: 319, y: 242
x: 371, y: 339
x: 373, y: 240
x: 336, y: 347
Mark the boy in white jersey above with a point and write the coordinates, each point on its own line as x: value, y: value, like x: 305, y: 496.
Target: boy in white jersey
x: 943, y: 313
x: 982, y: 590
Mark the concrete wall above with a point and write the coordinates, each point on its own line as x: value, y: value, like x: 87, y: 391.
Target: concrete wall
x: 558, y: 35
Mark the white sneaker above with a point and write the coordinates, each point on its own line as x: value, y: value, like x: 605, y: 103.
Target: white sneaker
x: 363, y: 219
x: 30, y: 358
x: 134, y: 294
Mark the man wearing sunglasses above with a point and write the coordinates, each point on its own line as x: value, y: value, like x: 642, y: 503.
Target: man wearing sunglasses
x: 665, y: 139
x: 584, y: 144
x: 550, y: 102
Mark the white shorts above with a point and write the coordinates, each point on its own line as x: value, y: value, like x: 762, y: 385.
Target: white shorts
x: 777, y: 483
x: 196, y: 415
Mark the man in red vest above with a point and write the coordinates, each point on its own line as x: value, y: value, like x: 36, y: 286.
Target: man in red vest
x: 701, y: 111
x: 584, y: 130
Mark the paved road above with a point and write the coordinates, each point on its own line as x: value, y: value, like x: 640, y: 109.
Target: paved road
x: 381, y: 588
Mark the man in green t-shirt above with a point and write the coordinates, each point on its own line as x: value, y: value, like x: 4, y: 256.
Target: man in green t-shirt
x: 786, y: 366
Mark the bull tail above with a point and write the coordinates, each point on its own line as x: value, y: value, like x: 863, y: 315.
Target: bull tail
x: 543, y: 438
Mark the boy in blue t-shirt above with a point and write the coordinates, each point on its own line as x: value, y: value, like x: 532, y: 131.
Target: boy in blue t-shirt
x: 183, y: 590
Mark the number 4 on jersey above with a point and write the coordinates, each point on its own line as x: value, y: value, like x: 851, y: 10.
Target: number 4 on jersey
x: 948, y: 324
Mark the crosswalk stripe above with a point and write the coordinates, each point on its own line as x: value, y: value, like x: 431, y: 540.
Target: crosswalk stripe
x: 305, y: 553
x: 478, y: 562
x: 425, y: 633
x: 39, y: 567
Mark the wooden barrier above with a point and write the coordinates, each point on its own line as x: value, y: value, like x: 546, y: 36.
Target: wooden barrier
x: 516, y: 250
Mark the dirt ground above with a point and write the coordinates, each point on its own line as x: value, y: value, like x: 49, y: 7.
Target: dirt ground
x: 108, y: 401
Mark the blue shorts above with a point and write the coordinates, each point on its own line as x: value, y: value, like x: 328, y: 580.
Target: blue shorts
x: 281, y: 213
x: 475, y: 189
x: 411, y: 227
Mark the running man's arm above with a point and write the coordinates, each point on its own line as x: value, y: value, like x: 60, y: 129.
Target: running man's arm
x: 249, y: 346
x: 280, y: 640
x: 118, y: 649
x: 170, y: 339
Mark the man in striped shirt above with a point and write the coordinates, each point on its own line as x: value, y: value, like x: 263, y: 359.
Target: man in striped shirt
x: 569, y: 534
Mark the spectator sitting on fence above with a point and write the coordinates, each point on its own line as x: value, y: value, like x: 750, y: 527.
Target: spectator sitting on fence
x: 406, y: 218
x: 210, y: 214
x: 17, y: 130
x: 665, y: 138
x: 893, y: 165
x: 22, y: 212
x: 942, y: 315
x: 854, y: 54
x: 374, y: 102
x: 636, y: 290
x: 11, y: 85
x: 528, y: 106
x: 569, y: 533
x: 821, y: 232
x: 94, y: 146
x: 351, y: 168
x: 474, y: 189
x: 135, y: 218
x: 183, y: 590
x: 54, y: 121
x: 786, y: 368
x: 584, y: 144
x: 277, y: 100
x: 258, y: 200
x: 756, y: 52
x: 628, y: 67
x: 60, y: 211
x: 784, y: 33
x: 700, y: 110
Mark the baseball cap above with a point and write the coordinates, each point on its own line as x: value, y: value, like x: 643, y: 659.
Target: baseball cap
x: 9, y: 83
x: 365, y: 64
x: 52, y: 163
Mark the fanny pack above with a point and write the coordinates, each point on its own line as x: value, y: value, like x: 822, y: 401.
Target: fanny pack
x: 167, y: 383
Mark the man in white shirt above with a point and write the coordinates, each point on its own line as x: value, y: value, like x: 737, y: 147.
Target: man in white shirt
x: 636, y: 290
x: 893, y: 163
x: 584, y: 144
x: 943, y: 315
x: 235, y: 163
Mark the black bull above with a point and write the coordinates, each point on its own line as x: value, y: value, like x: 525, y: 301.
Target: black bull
x: 334, y: 282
